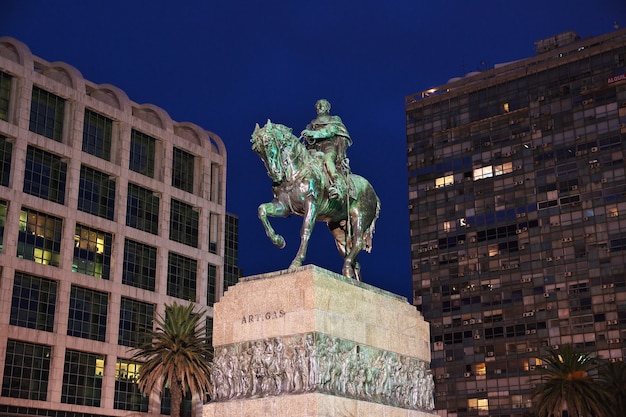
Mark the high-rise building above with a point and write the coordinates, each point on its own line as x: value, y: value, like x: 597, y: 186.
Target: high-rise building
x: 108, y: 211
x: 517, y: 192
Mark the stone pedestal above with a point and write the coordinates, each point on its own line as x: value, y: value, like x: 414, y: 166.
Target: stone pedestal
x: 312, y: 343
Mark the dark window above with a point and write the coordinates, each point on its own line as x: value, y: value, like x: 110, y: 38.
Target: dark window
x: 184, y: 223
x: 46, y: 114
x: 26, y: 371
x: 6, y: 151
x: 97, y: 131
x: 142, y: 150
x: 135, y: 319
x: 139, y: 268
x: 181, y: 277
x: 44, y: 175
x: 183, y: 170
x: 211, y: 295
x: 39, y: 237
x: 33, y: 302
x: 92, y: 252
x: 88, y: 314
x: 82, y: 378
x: 5, y: 93
x: 214, y: 235
x: 142, y: 209
x: 3, y: 219
x: 96, y: 193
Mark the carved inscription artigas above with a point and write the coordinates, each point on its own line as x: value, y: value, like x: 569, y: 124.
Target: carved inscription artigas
x: 259, y: 317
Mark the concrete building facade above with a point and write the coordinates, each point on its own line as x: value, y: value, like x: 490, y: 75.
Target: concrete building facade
x: 109, y: 209
x: 517, y: 192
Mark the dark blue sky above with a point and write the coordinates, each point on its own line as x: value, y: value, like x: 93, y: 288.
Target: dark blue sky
x: 226, y: 65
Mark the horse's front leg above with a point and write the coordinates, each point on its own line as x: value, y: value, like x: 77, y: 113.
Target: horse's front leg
x: 273, y: 209
x: 309, y: 216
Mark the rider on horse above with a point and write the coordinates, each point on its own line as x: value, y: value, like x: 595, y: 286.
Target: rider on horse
x: 328, y: 134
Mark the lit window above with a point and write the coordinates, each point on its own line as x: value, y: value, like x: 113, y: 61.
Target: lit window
x: 92, y: 252
x: 444, y: 181
x: 505, y: 168
x: 482, y: 173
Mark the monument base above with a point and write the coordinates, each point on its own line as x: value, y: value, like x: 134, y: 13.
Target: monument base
x: 312, y: 343
x: 307, y: 405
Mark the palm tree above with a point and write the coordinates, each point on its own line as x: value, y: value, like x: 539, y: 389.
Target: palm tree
x: 612, y: 378
x: 177, y: 354
x: 567, y: 386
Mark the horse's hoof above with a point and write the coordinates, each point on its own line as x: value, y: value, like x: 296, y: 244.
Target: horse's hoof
x: 279, y: 242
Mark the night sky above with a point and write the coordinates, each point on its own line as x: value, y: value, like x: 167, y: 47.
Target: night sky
x: 226, y: 65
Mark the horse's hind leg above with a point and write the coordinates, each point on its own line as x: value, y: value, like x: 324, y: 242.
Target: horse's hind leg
x: 351, y: 268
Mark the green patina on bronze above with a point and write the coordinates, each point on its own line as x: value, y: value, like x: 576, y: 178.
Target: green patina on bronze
x: 312, y: 179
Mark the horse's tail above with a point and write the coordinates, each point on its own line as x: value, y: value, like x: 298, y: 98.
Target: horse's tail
x: 369, y: 233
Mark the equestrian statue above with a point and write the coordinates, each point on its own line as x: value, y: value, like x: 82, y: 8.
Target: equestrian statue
x: 311, y: 178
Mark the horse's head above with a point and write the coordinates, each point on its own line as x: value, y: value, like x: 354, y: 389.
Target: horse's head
x: 271, y: 142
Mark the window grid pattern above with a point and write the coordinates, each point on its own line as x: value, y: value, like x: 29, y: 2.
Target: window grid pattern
x: 96, y: 193
x: 136, y: 318
x: 5, y: 94
x: 92, y: 252
x: 46, y: 114
x: 211, y: 295
x: 139, y: 268
x: 45, y: 175
x: 97, y: 133
x: 184, y: 223
x: 82, y: 378
x: 26, y: 370
x: 142, y: 152
x: 517, y: 253
x: 6, y: 152
x: 183, y: 165
x: 181, y: 277
x: 39, y: 237
x: 142, y: 209
x: 127, y: 394
x: 33, y: 302
x: 88, y: 314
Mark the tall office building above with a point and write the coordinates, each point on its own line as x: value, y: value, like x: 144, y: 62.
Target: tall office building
x: 517, y: 192
x: 108, y: 211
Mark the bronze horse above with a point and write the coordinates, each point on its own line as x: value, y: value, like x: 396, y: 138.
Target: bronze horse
x: 300, y: 186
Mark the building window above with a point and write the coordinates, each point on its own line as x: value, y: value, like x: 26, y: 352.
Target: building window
x: 444, y: 181
x: 184, y: 223
x: 142, y: 209
x: 33, y: 303
x: 215, y: 194
x: 96, y: 193
x: 92, y: 252
x: 44, y: 175
x: 209, y: 330
x: 183, y: 170
x: 88, y: 314
x: 3, y: 219
x: 5, y: 93
x: 6, y: 151
x: 97, y: 132
x: 26, y: 370
x: 211, y: 294
x: 135, y: 319
x: 214, y: 229
x: 181, y: 277
x: 46, y: 114
x: 139, y: 268
x: 142, y: 150
x: 127, y: 394
x: 482, y: 173
x: 82, y: 378
x: 39, y: 237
